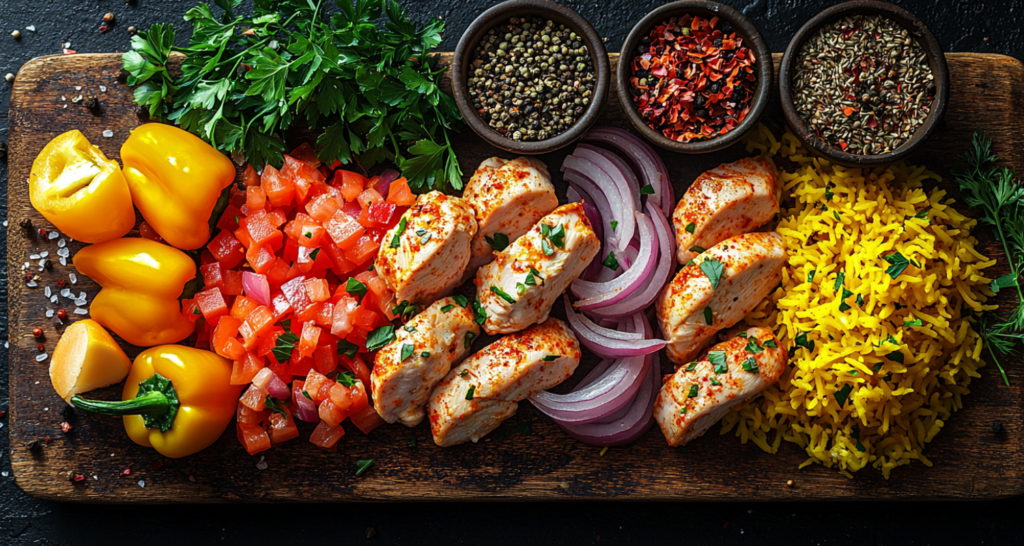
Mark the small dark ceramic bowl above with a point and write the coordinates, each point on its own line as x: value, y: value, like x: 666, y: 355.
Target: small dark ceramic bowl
x: 500, y: 14
x: 918, y: 31
x: 751, y: 38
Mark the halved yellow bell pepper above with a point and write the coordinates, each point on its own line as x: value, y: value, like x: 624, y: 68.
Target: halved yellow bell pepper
x: 141, y: 282
x: 175, y: 179
x: 177, y: 400
x: 80, y: 191
x: 86, y: 358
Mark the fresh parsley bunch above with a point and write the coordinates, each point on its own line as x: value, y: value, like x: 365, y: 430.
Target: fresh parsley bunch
x: 992, y: 191
x: 371, y: 91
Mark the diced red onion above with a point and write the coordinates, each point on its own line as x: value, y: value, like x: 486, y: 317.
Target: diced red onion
x: 262, y: 378
x: 278, y: 388
x: 609, y: 343
x: 614, y: 166
x: 256, y: 287
x: 614, y: 189
x: 651, y: 168
x: 655, y: 282
x: 383, y: 183
x: 306, y: 410
x: 594, y: 294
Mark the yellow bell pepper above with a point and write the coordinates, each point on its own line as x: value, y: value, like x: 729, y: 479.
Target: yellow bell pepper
x: 79, y: 190
x: 86, y: 358
x: 141, y: 282
x: 177, y: 400
x: 175, y: 179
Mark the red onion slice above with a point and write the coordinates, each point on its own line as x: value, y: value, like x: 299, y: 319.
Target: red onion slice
x: 585, y: 322
x: 655, y: 282
x: 256, y: 287
x: 608, y: 347
x: 586, y: 187
x: 650, y: 165
x: 630, y: 422
x: 614, y: 166
x: 594, y: 294
x: 614, y: 189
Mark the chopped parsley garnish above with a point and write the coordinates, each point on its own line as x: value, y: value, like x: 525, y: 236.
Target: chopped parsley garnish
x: 404, y: 309
x: 895, y: 356
x: 502, y: 294
x: 836, y: 214
x: 802, y: 341
x: 355, y: 288
x: 713, y: 269
x: 447, y: 308
x: 843, y: 306
x: 615, y: 225
x: 469, y: 393
x: 842, y: 394
x: 715, y: 382
x: 698, y: 249
x: 424, y: 354
x: 647, y: 190
x: 479, y: 313
x: 899, y: 264
x: 691, y: 366
x: 682, y: 411
x: 915, y: 322
x: 362, y: 465
x: 694, y: 389
x: 537, y: 275
x: 753, y: 348
x: 717, y: 358
x: 1006, y: 281
x: 380, y: 337
x: 750, y: 365
x: 463, y: 373
x: 396, y: 241
x: 287, y: 325
x: 314, y: 254
x: 407, y: 350
x: 520, y: 288
x: 551, y: 358
x: 828, y: 193
x: 347, y: 348
x: 810, y: 276
x: 855, y: 434
x: 461, y: 300
x: 877, y: 367
x: 275, y: 405
x: 347, y: 379
x: 546, y: 248
x: 691, y: 262
x: 691, y: 227
x: 306, y: 394
x: 708, y: 316
x: 499, y: 242
x: 470, y: 336
x: 283, y: 346
x: 610, y: 262
x: 839, y: 280
x: 308, y: 235
x: 770, y: 343
x: 922, y: 214
x: 196, y: 311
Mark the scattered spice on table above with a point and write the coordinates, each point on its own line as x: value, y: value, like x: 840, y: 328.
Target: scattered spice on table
x: 693, y: 79
x: 863, y: 84
x: 531, y: 79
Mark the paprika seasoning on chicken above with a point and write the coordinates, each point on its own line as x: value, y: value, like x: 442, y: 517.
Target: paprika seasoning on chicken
x: 693, y: 79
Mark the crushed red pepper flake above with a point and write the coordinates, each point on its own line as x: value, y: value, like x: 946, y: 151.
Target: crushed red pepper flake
x: 695, y: 80
x: 65, y: 427
x: 127, y: 471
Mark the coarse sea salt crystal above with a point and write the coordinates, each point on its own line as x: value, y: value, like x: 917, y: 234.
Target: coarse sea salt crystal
x: 73, y: 277
x: 81, y: 303
x: 5, y: 223
x: 41, y: 357
x: 108, y: 133
x: 142, y: 483
x: 63, y: 98
x: 66, y: 292
x: 77, y: 87
x: 64, y: 251
x: 63, y: 260
x: 7, y: 345
x: 81, y: 295
x: 31, y: 28
x: 33, y: 256
x: 47, y: 291
x: 44, y: 254
x: 53, y: 235
x: 262, y: 465
x: 42, y: 262
x: 53, y: 298
x: 81, y: 311
x: 103, y: 89
x: 65, y: 107
x: 31, y: 284
x: 49, y: 313
x: 61, y: 243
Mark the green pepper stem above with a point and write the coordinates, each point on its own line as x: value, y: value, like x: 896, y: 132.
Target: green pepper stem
x: 153, y: 403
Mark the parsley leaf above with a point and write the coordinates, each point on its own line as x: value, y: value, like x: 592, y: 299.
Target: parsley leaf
x: 347, y: 379
x: 407, y: 350
x: 347, y: 348
x: 362, y: 465
x: 283, y: 346
x: 899, y: 264
x: 750, y: 365
x: 694, y: 389
x: 610, y: 262
x: 915, y: 322
x: 469, y: 393
x: 647, y: 190
x: 753, y: 348
x: 499, y: 242
x: 717, y: 358
x: 479, y: 313
x: 713, y: 269
x: 615, y: 225
x: 842, y: 394
x: 551, y: 358
x: 691, y: 227
x: 447, y: 308
x: 461, y: 300
x: 380, y: 337
x: 709, y: 318
x: 355, y: 288
x: 502, y: 294
x: 396, y: 241
x: 802, y: 341
x: 275, y: 405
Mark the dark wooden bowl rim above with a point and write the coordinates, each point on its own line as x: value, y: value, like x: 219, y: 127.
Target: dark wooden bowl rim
x: 917, y: 29
x: 497, y: 15
x: 751, y: 38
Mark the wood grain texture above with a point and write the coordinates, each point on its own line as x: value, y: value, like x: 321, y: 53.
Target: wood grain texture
x: 970, y: 461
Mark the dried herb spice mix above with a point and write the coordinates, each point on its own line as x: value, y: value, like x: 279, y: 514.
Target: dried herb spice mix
x: 693, y: 79
x: 531, y: 79
x: 863, y: 85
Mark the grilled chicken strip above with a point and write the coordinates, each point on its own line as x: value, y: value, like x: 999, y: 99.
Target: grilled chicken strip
x: 518, y: 288
x: 730, y: 374
x: 423, y: 257
x: 508, y: 201
x: 486, y: 388
x: 753, y: 265
x: 407, y: 369
x: 728, y: 200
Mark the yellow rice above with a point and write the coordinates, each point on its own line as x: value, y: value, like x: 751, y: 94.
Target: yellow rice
x: 894, y: 408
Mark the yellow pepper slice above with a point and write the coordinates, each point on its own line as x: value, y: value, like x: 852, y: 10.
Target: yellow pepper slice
x: 177, y: 400
x: 80, y: 191
x: 141, y: 282
x: 86, y: 358
x: 175, y: 179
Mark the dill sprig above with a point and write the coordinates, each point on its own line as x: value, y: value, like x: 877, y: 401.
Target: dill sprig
x: 992, y: 191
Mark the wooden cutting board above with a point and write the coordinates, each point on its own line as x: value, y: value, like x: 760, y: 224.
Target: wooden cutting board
x: 528, y: 457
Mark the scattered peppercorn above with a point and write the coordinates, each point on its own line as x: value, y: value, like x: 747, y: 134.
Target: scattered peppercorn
x: 132, y: 31
x: 531, y: 79
x: 26, y: 225
x: 65, y: 427
x: 108, y: 18
x: 93, y: 104
x: 62, y: 314
x: 3, y: 150
x: 16, y: 34
x: 371, y: 532
x: 48, y: 265
x: 32, y: 445
x: 67, y: 413
x: 37, y: 332
x: 9, y: 77
x: 997, y: 428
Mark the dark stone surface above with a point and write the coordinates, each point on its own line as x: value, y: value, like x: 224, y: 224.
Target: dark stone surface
x: 960, y: 25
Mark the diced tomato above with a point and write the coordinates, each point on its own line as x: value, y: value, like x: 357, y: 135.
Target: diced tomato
x: 322, y: 207
x: 262, y: 379
x: 341, y: 320
x: 246, y: 416
x: 211, y: 305
x: 254, y: 439
x: 305, y: 230
x: 356, y: 366
x: 305, y: 153
x: 350, y: 183
x: 309, y: 339
x: 295, y: 291
x: 260, y: 228
x: 358, y: 337
x: 352, y: 209
x: 280, y: 305
x: 279, y: 190
x: 317, y: 289
x: 226, y: 249
x: 255, y: 199
x: 268, y: 341
x: 251, y: 177
x: 340, y: 265
x: 278, y: 273
x: 229, y: 220
x: 300, y: 365
x: 325, y: 359
x: 260, y: 259
x: 297, y: 387
x: 366, y: 319
x: 259, y: 321
x: 341, y: 396
x: 330, y: 413
x: 212, y: 277
x: 225, y: 342
x: 379, y: 214
x: 189, y: 309
x: 326, y: 437
x: 364, y: 250
x: 366, y: 419
x: 377, y: 292
x: 232, y: 282
x: 277, y: 218
x: 254, y: 398
x: 244, y: 369
x: 243, y: 306
x: 282, y: 428
x: 344, y: 230
x: 324, y: 316
x: 400, y: 194
x: 308, y: 313
x: 315, y: 380
x: 368, y: 197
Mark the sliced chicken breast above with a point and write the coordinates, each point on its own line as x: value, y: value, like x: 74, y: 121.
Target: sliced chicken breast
x: 691, y: 310
x: 732, y: 372
x: 406, y: 370
x: 519, y: 287
x: 726, y: 201
x: 508, y: 201
x: 487, y: 387
x: 423, y: 257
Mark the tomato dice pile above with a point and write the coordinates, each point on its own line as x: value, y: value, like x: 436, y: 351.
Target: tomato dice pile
x: 291, y: 297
